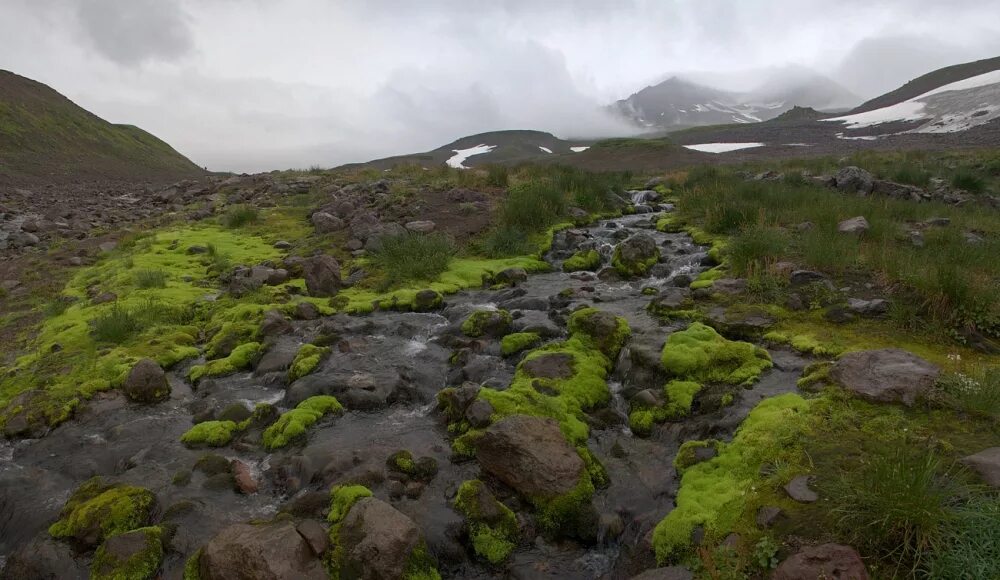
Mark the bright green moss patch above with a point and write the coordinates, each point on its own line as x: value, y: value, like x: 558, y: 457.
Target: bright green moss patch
x: 192, y: 570
x: 492, y: 526
x: 712, y: 492
x: 97, y: 511
x: 240, y: 358
x: 306, y: 360
x: 229, y: 336
x: 589, y: 260
x: 633, y: 268
x: 518, y: 341
x: 608, y: 333
x: 686, y: 455
x: 487, y: 322
x: 210, y: 433
x: 294, y: 423
x: 342, y: 499
x: 680, y: 396
x: 140, y: 565
x: 569, y: 514
x: 420, y: 565
x: 804, y: 343
x: 701, y: 354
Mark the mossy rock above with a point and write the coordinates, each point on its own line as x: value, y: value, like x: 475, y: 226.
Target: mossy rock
x: 492, y: 526
x: 495, y: 323
x: 519, y: 341
x: 427, y: 300
x: 242, y: 357
x: 589, y: 260
x: 98, y: 510
x: 134, y: 555
x: 294, y: 424
x: 702, y: 355
x: 210, y: 434
x: 605, y: 330
x: 635, y: 256
x: 422, y: 469
x: 306, y: 360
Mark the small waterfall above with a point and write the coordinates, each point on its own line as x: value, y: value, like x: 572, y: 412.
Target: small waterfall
x: 618, y: 402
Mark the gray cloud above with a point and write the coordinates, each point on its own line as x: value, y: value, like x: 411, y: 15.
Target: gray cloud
x: 130, y: 32
x: 254, y: 84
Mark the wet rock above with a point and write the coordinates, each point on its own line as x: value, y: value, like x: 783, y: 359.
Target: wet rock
x: 276, y: 359
x: 538, y: 322
x: 322, y: 274
x: 825, y: 561
x: 377, y: 540
x: 526, y: 303
x: 250, y: 552
x: 855, y: 225
x: 326, y: 223
x: 274, y: 324
x: 838, y: 314
x: 729, y: 286
x: 146, y: 383
x: 43, y: 559
x: 636, y: 255
x: 315, y: 535
x: 421, y: 226
x: 307, y: 504
x: 868, y: 308
x: 427, y: 300
x: 510, y: 277
x: 243, y: 477
x: 645, y: 398
x: 454, y: 402
x: 306, y: 311
x: 887, y: 376
x: 478, y: 413
x: 557, y: 365
x: 987, y: 464
x: 122, y: 556
x: 769, y: 515
x: 668, y: 573
x: 212, y: 464
x: 236, y: 412
x: 531, y: 455
x: 749, y: 322
x: 853, y: 179
x: 799, y: 490
x: 671, y: 299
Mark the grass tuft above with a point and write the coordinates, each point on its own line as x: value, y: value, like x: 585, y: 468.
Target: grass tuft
x: 411, y: 257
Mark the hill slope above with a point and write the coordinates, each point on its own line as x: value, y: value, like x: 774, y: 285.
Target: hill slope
x: 929, y: 82
x: 45, y: 136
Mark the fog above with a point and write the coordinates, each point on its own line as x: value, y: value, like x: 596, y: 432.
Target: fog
x: 250, y: 85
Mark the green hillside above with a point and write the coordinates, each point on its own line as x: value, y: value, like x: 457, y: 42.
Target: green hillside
x: 45, y: 136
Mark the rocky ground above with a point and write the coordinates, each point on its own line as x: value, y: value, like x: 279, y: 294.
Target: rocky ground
x: 597, y: 411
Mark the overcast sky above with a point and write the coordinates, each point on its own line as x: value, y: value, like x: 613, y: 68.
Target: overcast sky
x: 249, y: 85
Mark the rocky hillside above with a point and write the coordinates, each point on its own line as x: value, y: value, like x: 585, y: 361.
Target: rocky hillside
x: 677, y: 103
x: 929, y: 82
x: 45, y: 137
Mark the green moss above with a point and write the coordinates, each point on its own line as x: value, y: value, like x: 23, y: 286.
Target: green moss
x: 482, y: 322
x: 210, y: 433
x: 342, y: 499
x: 701, y: 354
x: 191, y: 567
x: 492, y: 526
x: 680, y: 396
x: 568, y: 514
x: 402, y: 461
x: 97, y: 511
x: 241, y: 358
x: 712, y: 493
x: 229, y: 336
x: 306, y: 360
x: 420, y: 565
x: 633, y: 269
x: 294, y: 423
x: 686, y: 453
x: 608, y: 333
x: 140, y: 566
x: 816, y: 374
x: 589, y: 260
x: 518, y: 341
x: 804, y: 343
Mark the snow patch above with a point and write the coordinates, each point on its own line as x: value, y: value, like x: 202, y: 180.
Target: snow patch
x: 458, y: 159
x: 578, y: 149
x: 934, y: 106
x: 722, y: 147
x: 545, y: 149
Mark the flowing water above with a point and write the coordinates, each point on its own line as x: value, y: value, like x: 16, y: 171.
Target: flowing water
x: 386, y: 368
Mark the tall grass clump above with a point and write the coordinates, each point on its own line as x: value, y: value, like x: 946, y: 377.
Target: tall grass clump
x: 412, y: 257
x: 116, y: 324
x: 912, y: 174
x: 591, y: 191
x: 898, y: 504
x: 505, y: 242
x: 976, y: 391
x: 971, y: 546
x: 240, y: 215
x: 965, y: 178
x: 150, y: 278
x: 533, y: 206
x: 755, y: 247
x: 497, y: 175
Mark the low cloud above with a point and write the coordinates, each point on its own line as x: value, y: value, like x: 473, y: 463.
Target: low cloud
x: 130, y: 32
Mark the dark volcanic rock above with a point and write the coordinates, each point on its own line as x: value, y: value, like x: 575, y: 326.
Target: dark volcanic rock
x: 146, y: 383
x: 825, y: 561
x: 888, y: 375
x: 377, y: 540
x: 253, y: 552
x: 853, y: 179
x: 322, y: 274
x: 531, y: 455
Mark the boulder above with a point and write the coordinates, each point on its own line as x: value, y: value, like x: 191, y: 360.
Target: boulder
x: 257, y: 552
x: 420, y: 226
x: 636, y: 255
x: 377, y: 541
x: 274, y: 324
x: 853, y: 179
x: 803, y: 277
x: 897, y: 190
x: 511, y: 277
x: 531, y: 455
x: 326, y: 223
x: 987, y: 464
x: 146, y: 383
x: 855, y: 225
x: 799, y: 490
x: 136, y: 554
x: 825, y: 561
x: 322, y: 274
x: 889, y: 375
x: 555, y: 365
x: 868, y: 308
x: 243, y: 477
x: 43, y: 558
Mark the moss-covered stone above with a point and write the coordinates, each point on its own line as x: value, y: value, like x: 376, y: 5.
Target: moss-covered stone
x: 518, y: 341
x: 342, y: 499
x: 192, y: 570
x: 602, y: 329
x: 589, y: 260
x: 701, y: 354
x: 495, y: 323
x: 492, y: 526
x: 134, y: 555
x: 240, y: 358
x: 687, y: 455
x: 210, y: 433
x: 294, y: 423
x: 98, y: 510
x: 306, y: 360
